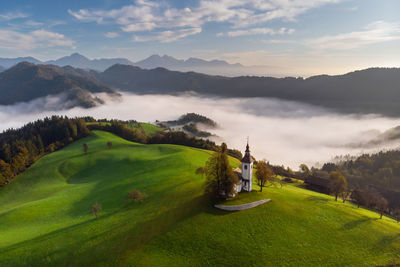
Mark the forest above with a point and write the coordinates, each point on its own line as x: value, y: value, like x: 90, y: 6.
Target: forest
x: 20, y: 148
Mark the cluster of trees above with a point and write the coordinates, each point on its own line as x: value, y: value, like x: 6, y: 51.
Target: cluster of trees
x: 381, y: 169
x: 120, y: 129
x: 363, y: 196
x: 20, y: 148
x: 193, y: 118
x: 220, y: 178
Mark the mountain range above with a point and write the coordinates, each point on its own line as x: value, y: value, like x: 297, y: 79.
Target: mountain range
x: 79, y: 61
x: 375, y: 90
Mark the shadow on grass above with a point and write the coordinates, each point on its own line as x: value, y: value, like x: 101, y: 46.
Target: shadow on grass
x: 317, y: 199
x: 387, y: 241
x: 357, y: 223
x: 117, y: 241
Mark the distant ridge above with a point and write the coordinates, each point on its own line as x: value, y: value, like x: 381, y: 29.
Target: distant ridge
x: 26, y: 81
x: 369, y: 91
x: 156, y: 61
x: 375, y: 90
x: 9, y: 62
x: 77, y: 60
x: 2, y: 69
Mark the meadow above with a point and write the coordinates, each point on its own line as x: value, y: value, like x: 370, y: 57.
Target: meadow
x: 45, y: 216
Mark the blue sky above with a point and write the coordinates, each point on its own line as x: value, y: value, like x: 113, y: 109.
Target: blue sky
x: 296, y: 37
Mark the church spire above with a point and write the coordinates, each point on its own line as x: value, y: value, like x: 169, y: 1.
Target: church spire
x: 247, y: 146
x: 247, y: 157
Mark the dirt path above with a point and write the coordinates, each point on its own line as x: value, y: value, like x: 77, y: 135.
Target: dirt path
x: 243, y: 206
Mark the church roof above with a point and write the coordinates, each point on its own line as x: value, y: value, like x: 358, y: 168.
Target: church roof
x: 247, y: 158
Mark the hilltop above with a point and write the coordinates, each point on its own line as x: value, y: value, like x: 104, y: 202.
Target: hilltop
x: 45, y: 217
x: 27, y: 81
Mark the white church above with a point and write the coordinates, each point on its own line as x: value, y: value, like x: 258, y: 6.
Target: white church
x: 245, y: 173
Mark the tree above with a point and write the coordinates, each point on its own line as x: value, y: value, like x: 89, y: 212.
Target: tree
x: 85, y: 148
x: 397, y: 214
x: 346, y: 194
x: 382, y: 205
x: 338, y: 183
x: 264, y: 174
x: 136, y: 196
x: 220, y: 179
x: 96, y: 208
x: 109, y: 144
x: 305, y: 170
x: 359, y: 197
x: 201, y: 171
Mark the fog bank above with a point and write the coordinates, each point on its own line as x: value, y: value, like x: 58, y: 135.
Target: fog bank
x: 282, y: 132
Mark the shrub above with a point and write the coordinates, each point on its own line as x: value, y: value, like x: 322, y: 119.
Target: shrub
x: 136, y: 196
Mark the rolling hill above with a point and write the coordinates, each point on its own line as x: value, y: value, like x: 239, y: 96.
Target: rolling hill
x: 45, y: 217
x: 27, y: 81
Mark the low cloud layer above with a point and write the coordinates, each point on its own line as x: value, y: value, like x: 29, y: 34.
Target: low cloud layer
x: 282, y: 132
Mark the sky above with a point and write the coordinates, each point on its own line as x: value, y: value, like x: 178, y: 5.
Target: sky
x: 296, y: 37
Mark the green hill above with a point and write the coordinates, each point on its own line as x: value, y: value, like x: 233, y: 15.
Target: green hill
x: 45, y: 216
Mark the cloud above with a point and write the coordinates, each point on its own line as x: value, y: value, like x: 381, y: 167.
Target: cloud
x: 168, y: 36
x: 376, y: 32
x: 155, y: 16
x: 13, y: 40
x: 282, y: 132
x: 12, y: 16
x: 111, y: 34
x: 33, y: 23
x: 277, y: 41
x: 258, y: 31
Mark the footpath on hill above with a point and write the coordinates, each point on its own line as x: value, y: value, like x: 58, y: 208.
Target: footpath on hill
x: 243, y: 206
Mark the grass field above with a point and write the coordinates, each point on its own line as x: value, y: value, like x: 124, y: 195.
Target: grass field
x: 45, y: 216
x: 146, y: 128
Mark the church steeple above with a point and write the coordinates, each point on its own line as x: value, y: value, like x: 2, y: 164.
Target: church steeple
x: 247, y: 170
x: 247, y: 157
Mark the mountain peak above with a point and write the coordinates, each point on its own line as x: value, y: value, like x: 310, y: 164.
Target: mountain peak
x: 77, y: 55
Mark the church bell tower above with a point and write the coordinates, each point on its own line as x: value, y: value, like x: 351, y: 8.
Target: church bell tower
x: 247, y: 170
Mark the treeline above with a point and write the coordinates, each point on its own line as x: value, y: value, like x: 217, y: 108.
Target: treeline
x: 381, y: 169
x: 193, y: 118
x: 120, y: 129
x: 165, y: 137
x: 20, y: 148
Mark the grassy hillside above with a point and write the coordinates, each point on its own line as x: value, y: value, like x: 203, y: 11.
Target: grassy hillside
x: 147, y: 129
x: 45, y: 220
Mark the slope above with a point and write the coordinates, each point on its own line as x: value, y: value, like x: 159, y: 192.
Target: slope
x: 27, y: 81
x: 45, y: 217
